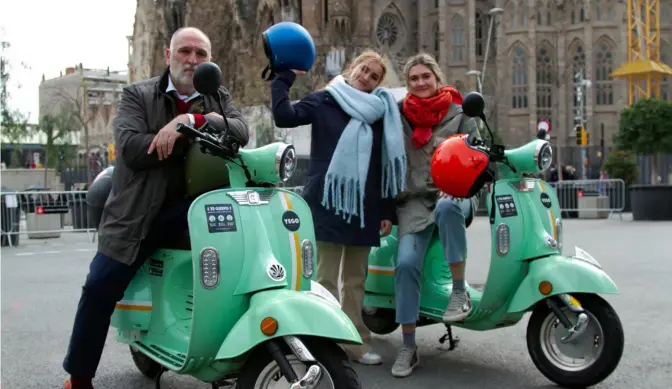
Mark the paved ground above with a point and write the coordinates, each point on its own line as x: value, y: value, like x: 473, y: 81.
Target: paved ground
x: 41, y: 282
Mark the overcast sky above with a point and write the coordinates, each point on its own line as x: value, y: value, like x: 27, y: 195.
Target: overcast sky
x: 51, y: 35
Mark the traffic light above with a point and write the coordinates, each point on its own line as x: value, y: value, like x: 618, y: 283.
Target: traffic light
x: 581, y: 136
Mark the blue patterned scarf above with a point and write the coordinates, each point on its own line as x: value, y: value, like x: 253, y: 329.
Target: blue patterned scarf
x: 349, y: 167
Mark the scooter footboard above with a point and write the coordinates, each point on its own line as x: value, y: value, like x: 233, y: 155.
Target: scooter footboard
x: 565, y: 275
x: 296, y: 313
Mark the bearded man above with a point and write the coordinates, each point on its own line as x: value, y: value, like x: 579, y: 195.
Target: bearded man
x: 148, y: 203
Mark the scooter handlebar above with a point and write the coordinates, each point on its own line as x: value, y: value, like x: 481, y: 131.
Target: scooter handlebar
x: 206, y: 140
x: 188, y: 131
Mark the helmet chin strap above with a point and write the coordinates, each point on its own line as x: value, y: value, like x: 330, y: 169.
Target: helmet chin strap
x: 268, y: 73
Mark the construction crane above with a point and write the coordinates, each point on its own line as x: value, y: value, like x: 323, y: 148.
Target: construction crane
x: 644, y: 71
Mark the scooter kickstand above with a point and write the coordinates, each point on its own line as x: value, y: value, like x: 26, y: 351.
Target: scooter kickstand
x: 222, y: 384
x: 157, y: 383
x: 452, y: 340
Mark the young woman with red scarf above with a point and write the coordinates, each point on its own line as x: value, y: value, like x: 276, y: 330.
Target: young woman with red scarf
x: 430, y: 112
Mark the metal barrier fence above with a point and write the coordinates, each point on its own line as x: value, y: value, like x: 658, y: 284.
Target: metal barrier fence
x: 583, y: 199
x: 591, y: 199
x: 48, y: 214
x: 42, y: 214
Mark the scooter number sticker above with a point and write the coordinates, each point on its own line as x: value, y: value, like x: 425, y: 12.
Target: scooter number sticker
x: 507, y: 207
x: 220, y: 218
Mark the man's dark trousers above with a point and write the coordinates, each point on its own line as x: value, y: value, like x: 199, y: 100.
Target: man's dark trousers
x: 105, y: 286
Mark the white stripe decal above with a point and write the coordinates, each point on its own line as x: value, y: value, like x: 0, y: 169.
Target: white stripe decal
x: 283, y: 200
x: 293, y: 238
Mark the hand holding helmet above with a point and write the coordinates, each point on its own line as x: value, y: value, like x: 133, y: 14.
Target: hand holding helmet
x: 459, y: 166
x: 288, y: 46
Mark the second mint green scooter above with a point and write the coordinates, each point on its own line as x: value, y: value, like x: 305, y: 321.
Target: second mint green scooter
x: 574, y: 337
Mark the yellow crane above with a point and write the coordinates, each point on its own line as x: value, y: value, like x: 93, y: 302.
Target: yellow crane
x: 644, y: 71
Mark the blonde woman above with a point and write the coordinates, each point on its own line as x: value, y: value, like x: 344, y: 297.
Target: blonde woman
x: 431, y: 111
x: 357, y: 168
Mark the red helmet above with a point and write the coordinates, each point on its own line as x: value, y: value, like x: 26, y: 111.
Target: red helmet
x: 458, y: 168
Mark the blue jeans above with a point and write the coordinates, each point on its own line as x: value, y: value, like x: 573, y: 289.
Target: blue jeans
x: 105, y: 286
x: 450, y: 215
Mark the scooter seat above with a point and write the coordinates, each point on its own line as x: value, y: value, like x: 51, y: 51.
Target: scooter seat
x: 181, y: 242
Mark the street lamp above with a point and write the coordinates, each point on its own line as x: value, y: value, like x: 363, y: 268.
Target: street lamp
x: 480, y: 75
x: 477, y: 74
x: 494, y: 12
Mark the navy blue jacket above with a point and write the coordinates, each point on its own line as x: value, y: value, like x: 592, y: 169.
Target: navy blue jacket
x: 328, y: 122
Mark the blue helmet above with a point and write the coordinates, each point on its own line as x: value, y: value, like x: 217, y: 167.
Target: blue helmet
x: 288, y: 45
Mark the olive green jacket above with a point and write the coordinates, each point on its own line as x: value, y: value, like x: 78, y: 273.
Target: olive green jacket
x: 140, y: 182
x: 415, y: 206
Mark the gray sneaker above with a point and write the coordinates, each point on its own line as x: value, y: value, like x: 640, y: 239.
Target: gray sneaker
x: 459, y: 307
x: 407, y: 360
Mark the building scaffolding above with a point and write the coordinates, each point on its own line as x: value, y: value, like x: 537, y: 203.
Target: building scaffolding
x: 643, y: 71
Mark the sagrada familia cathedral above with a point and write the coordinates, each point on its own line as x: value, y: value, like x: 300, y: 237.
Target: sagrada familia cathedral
x: 535, y: 59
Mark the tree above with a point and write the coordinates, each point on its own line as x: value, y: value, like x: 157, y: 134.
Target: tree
x: 14, y: 129
x: 70, y: 107
x: 69, y: 103
x: 56, y: 129
x: 13, y: 123
x: 645, y: 128
x: 622, y: 164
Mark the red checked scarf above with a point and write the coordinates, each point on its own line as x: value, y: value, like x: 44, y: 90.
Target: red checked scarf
x: 423, y: 114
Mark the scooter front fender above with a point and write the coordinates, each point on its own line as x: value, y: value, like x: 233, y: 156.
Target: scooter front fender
x: 297, y: 313
x: 566, y: 275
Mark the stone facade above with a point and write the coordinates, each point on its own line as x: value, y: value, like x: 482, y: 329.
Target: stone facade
x: 93, y: 94
x: 538, y: 47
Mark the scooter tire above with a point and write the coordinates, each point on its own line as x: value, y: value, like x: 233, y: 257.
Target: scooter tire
x: 145, y: 364
x: 327, y: 353
x: 606, y: 362
x: 382, y: 322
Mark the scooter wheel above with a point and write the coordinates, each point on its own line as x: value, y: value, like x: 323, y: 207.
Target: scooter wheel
x: 380, y: 322
x: 145, y: 364
x: 566, y: 363
x: 261, y: 371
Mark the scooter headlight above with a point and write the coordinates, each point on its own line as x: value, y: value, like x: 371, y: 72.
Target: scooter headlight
x: 285, y: 162
x: 544, y: 156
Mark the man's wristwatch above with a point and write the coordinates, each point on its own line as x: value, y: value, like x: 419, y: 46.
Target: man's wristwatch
x: 192, y: 121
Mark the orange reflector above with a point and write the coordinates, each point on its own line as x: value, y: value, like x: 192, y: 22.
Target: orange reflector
x: 269, y: 326
x: 545, y: 288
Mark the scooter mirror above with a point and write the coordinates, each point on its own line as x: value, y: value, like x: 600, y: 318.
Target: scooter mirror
x: 207, y: 78
x: 473, y: 105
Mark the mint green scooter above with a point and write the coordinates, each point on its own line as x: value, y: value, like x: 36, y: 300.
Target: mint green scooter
x: 241, y: 306
x: 574, y: 337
